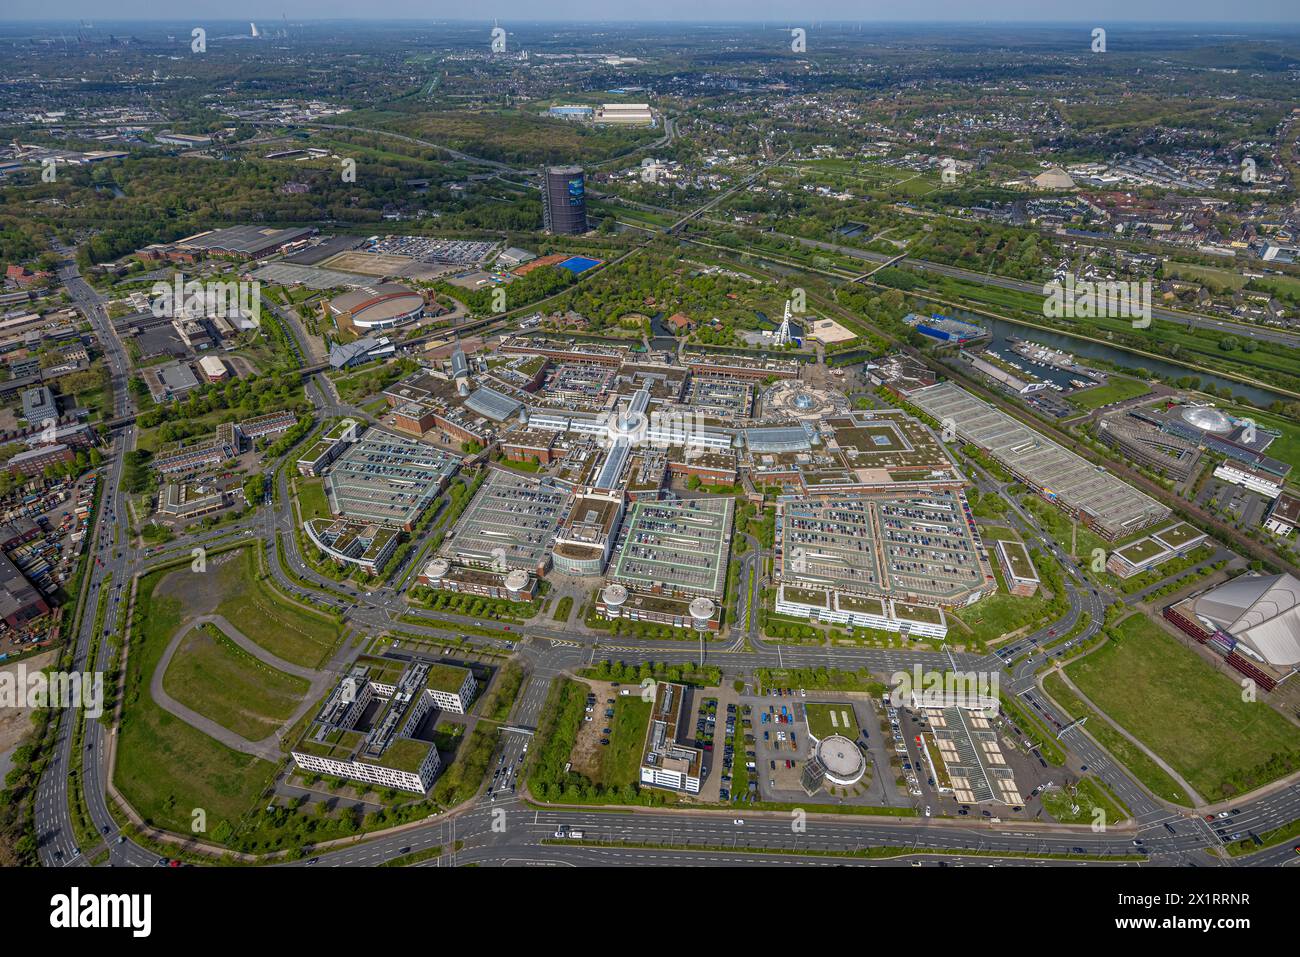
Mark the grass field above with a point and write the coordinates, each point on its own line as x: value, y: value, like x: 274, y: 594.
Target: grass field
x: 620, y: 760
x: 1153, y: 777
x: 1286, y: 286
x: 288, y: 631
x: 222, y: 681
x: 1080, y: 540
x: 311, y: 499
x: 1219, y: 280
x: 1190, y: 715
x: 1116, y: 390
x: 165, y: 768
x: 997, y: 615
x: 822, y: 725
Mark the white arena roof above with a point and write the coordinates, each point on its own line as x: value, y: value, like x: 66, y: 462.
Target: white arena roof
x: 1261, y: 611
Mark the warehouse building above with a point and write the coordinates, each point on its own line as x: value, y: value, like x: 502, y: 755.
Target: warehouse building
x: 20, y: 602
x: 246, y: 242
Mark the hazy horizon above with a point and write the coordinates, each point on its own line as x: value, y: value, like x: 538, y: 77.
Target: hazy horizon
x: 1167, y: 13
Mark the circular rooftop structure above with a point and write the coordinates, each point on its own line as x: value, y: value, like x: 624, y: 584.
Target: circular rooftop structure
x: 792, y: 399
x: 516, y: 580
x: 615, y: 595
x: 1207, y: 418
x: 381, y: 306
x: 842, y: 760
x: 702, y: 609
x: 437, y: 569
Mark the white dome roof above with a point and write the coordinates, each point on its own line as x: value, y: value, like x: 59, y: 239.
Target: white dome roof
x: 1207, y: 418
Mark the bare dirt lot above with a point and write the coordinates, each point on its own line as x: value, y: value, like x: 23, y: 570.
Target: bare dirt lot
x: 367, y: 264
x: 586, y: 749
x: 16, y: 722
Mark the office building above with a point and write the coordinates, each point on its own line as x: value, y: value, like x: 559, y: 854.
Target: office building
x: 564, y: 202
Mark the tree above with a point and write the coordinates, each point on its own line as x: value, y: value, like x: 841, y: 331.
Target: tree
x: 255, y: 488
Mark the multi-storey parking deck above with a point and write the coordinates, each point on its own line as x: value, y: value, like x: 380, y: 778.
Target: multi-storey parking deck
x: 388, y: 478
x: 510, y: 524
x: 677, y: 547
x: 1111, y: 507
x: 920, y: 547
x: 829, y: 543
x: 723, y: 399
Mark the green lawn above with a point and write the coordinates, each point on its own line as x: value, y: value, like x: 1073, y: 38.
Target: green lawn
x: 165, y: 768
x: 1189, y: 714
x: 222, y: 681
x: 1057, y: 523
x: 1153, y: 777
x: 529, y: 466
x: 620, y: 760
x: 311, y: 499
x: 1116, y: 390
x: 1219, y: 280
x: 821, y: 725
x: 287, y: 630
x: 997, y: 615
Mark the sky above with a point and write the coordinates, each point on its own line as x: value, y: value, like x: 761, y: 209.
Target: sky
x: 1165, y: 12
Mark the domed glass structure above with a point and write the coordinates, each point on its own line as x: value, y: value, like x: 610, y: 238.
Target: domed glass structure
x: 1207, y: 419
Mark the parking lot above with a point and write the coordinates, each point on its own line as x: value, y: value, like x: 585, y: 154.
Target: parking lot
x: 431, y: 250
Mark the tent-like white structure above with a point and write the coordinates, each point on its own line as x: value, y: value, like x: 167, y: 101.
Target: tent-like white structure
x: 1260, y: 611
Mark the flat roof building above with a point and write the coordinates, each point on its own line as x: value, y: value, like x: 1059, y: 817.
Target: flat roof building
x: 368, y: 545
x: 586, y: 537
x: 366, y: 729
x: 664, y: 762
x: 1109, y: 506
x: 246, y: 242
x: 676, y: 548
x: 1022, y: 579
x: 387, y: 478
x: 39, y: 406
x: 509, y: 524
x: 1283, y: 515
x: 20, y: 602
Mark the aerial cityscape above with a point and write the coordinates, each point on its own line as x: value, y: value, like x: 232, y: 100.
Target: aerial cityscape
x: 598, y: 443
